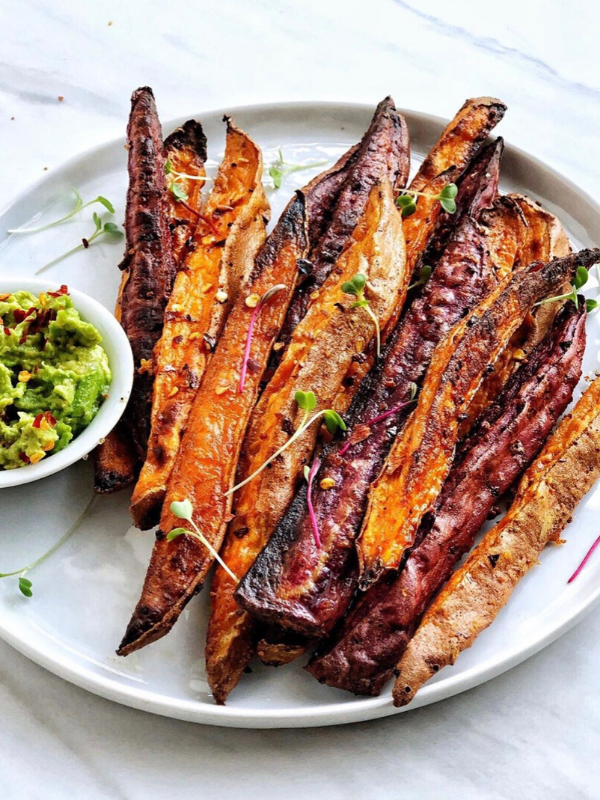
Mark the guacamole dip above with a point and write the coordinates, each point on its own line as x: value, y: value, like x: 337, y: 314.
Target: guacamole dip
x: 54, y: 375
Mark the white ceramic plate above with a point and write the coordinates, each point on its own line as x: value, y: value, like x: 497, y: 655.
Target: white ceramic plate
x: 83, y: 595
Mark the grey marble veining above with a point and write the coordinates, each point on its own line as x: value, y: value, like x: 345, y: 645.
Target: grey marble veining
x: 532, y: 732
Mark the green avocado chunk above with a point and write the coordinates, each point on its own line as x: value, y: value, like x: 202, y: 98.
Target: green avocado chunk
x: 54, y: 375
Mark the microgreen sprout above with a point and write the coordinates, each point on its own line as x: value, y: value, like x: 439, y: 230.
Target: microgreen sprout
x: 25, y: 585
x: 309, y: 475
x: 183, y: 509
x: 279, y: 168
x: 424, y: 275
x: 79, y: 206
x: 356, y: 287
x: 255, y: 312
x: 408, y: 204
x: 307, y: 402
x: 411, y: 399
x: 580, y: 280
x: 102, y: 228
x: 586, y: 558
x: 175, y: 178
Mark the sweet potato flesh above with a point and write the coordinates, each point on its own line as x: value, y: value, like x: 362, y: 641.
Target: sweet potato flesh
x: 225, y: 242
x: 421, y: 457
x: 205, y: 466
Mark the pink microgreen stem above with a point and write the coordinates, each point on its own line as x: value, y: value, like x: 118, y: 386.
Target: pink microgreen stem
x: 315, y: 466
x: 379, y: 418
x: 585, y: 560
x: 259, y: 306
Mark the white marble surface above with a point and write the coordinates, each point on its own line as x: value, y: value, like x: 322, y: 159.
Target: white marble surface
x: 530, y: 733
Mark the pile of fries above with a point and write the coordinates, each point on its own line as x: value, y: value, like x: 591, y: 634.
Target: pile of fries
x: 333, y: 410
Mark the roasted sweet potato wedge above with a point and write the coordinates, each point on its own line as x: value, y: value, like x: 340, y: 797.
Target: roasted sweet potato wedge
x: 444, y: 164
x: 549, y: 492
x: 383, y: 153
x: 321, y: 348
x: 185, y: 153
x: 205, y: 466
x: 226, y: 240
x: 148, y: 273
x: 539, y: 236
x: 148, y: 262
x: 420, y: 459
x: 372, y: 638
x: 306, y: 587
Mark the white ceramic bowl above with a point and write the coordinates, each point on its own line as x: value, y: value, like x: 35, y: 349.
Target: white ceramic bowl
x: 120, y: 359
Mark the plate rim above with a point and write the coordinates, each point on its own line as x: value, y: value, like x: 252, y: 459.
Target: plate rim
x: 332, y: 713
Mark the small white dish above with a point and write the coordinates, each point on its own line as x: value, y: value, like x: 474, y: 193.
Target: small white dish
x: 120, y: 359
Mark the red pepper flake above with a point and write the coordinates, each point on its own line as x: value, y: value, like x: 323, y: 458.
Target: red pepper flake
x: 24, y: 458
x: 50, y: 418
x: 6, y: 331
x: 60, y: 98
x: 63, y: 290
x: 19, y: 315
x: 85, y: 243
x: 38, y: 420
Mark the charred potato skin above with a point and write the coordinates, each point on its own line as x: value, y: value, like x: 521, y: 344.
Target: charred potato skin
x: 549, y: 492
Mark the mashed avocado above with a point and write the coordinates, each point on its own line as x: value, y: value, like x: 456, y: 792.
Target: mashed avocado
x: 54, y: 375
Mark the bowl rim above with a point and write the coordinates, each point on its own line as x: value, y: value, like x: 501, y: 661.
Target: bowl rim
x: 120, y: 359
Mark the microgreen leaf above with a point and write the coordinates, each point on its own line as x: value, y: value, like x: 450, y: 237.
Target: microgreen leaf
x: 25, y: 587
x: 280, y: 168
x: 581, y: 277
x: 424, y: 275
x: 178, y: 191
x: 306, y: 401
x: 355, y: 286
x: 591, y: 304
x: 448, y: 204
x: 111, y: 227
x: 449, y: 192
x: 106, y: 203
x: 175, y: 533
x: 306, y: 471
x: 182, y: 509
x: 168, y: 167
x: 333, y: 421
x: 406, y: 203
x: 276, y: 175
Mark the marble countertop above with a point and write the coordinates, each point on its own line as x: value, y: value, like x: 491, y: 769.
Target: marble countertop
x: 66, y: 72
